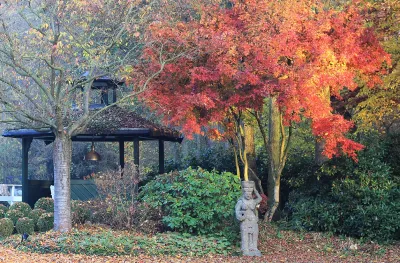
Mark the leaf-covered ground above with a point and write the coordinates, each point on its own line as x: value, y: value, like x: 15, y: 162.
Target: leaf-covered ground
x: 276, y: 246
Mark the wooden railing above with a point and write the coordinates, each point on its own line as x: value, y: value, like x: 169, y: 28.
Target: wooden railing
x: 10, y: 193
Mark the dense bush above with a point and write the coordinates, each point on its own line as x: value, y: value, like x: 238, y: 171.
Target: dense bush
x: 117, y: 197
x: 21, y: 206
x: 45, y: 203
x: 14, y: 215
x: 194, y: 200
x: 34, y: 215
x: 3, y: 210
x: 80, y: 212
x: 25, y: 225
x: 6, y: 227
x: 99, y: 212
x: 148, y: 219
x: 45, y: 222
x: 356, y: 199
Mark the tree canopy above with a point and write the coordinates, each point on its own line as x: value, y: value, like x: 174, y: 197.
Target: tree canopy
x: 239, y: 54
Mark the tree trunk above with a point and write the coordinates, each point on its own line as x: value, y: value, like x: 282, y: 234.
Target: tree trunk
x: 274, y: 150
x: 62, y: 154
x: 251, y: 156
x: 320, y: 159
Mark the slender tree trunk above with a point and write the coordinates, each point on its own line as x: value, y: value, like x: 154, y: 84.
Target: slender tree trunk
x: 236, y: 162
x: 320, y: 159
x: 62, y: 154
x: 274, y: 150
x: 251, y: 156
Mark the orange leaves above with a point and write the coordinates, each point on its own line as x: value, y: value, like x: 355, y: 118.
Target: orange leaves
x: 294, y: 50
x: 331, y: 130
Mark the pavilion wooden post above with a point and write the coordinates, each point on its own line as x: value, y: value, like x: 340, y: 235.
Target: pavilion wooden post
x: 136, y: 162
x: 26, y: 144
x: 122, y: 156
x: 136, y: 152
x: 161, y: 157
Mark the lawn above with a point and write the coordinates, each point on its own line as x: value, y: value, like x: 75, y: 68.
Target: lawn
x: 100, y: 244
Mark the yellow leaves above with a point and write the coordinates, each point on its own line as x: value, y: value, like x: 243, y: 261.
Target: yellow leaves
x: 232, y: 51
x: 44, y: 26
x: 285, y: 76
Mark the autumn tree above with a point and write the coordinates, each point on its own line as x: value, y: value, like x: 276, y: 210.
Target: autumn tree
x: 45, y: 49
x: 288, y: 54
x: 379, y: 108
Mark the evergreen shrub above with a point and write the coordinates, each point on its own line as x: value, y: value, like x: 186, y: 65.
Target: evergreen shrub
x: 45, y: 203
x: 14, y: 215
x: 45, y: 222
x: 34, y: 215
x: 21, y: 206
x: 6, y: 227
x: 25, y: 225
x: 353, y: 199
x: 3, y: 210
x: 194, y: 200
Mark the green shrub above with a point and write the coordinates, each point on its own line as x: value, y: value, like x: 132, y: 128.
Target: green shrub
x: 80, y: 212
x: 21, y: 206
x: 362, y: 213
x: 45, y: 222
x: 45, y: 203
x: 14, y: 215
x: 25, y: 225
x: 6, y: 227
x: 194, y: 201
x: 34, y: 215
x: 355, y: 199
x: 3, y: 210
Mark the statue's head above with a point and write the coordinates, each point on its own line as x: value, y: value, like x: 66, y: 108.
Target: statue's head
x: 247, y: 188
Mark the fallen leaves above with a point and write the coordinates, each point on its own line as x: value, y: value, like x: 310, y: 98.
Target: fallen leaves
x: 277, y: 246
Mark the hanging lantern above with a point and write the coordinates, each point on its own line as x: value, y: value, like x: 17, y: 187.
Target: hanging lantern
x: 92, y: 155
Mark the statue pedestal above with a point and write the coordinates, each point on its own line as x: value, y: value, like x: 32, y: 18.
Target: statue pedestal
x: 245, y: 211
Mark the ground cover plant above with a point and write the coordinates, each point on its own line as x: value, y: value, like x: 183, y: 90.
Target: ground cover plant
x: 102, y: 244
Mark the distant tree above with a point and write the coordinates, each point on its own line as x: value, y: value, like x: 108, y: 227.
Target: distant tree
x: 45, y: 47
x: 379, y: 108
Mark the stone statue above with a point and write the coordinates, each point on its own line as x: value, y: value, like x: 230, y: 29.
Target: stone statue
x: 246, y: 213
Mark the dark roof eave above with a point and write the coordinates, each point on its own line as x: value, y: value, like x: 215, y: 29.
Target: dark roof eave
x: 46, y: 133
x: 27, y: 133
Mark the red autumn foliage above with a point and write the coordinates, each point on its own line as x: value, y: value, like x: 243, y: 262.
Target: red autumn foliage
x: 262, y: 209
x: 237, y: 56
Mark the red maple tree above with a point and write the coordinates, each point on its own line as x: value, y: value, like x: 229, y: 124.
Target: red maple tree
x: 295, y: 53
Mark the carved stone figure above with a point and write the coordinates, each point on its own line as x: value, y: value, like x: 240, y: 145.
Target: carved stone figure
x: 246, y: 213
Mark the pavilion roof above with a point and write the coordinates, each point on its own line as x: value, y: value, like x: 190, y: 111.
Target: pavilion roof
x: 113, y: 124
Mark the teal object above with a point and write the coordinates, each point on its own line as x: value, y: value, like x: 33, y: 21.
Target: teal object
x: 83, y: 190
